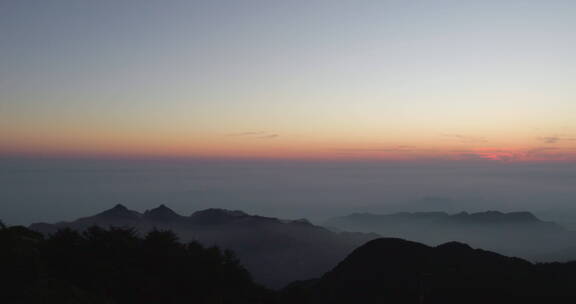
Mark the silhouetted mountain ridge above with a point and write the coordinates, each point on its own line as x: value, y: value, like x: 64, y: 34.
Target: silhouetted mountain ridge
x: 117, y: 266
x: 511, y: 233
x: 393, y: 270
x: 162, y: 213
x: 498, y: 217
x: 276, y: 251
x: 119, y: 212
x: 487, y: 217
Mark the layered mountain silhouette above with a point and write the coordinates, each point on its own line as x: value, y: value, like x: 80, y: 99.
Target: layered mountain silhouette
x: 275, y: 251
x: 116, y: 265
x: 514, y: 233
x: 392, y: 270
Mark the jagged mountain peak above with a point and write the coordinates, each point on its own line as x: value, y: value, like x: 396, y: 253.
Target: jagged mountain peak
x: 119, y: 211
x: 120, y: 207
x: 162, y: 213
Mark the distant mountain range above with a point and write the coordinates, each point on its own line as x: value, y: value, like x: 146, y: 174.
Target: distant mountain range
x: 275, y: 251
x: 392, y: 270
x: 514, y: 233
x: 484, y: 219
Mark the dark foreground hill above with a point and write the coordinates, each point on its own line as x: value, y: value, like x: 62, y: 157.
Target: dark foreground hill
x: 275, y: 251
x: 101, y: 266
x: 514, y: 233
x: 391, y: 270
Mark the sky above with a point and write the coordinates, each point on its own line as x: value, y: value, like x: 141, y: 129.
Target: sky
x: 392, y: 80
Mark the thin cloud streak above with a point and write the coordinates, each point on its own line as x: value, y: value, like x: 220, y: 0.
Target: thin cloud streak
x: 466, y: 138
x: 555, y: 139
x: 388, y: 149
x: 254, y: 134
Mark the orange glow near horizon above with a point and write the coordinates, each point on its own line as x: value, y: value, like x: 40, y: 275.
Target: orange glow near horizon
x: 375, y: 141
x: 275, y: 148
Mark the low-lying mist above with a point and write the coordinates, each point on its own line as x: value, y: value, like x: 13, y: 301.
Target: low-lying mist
x: 62, y: 189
